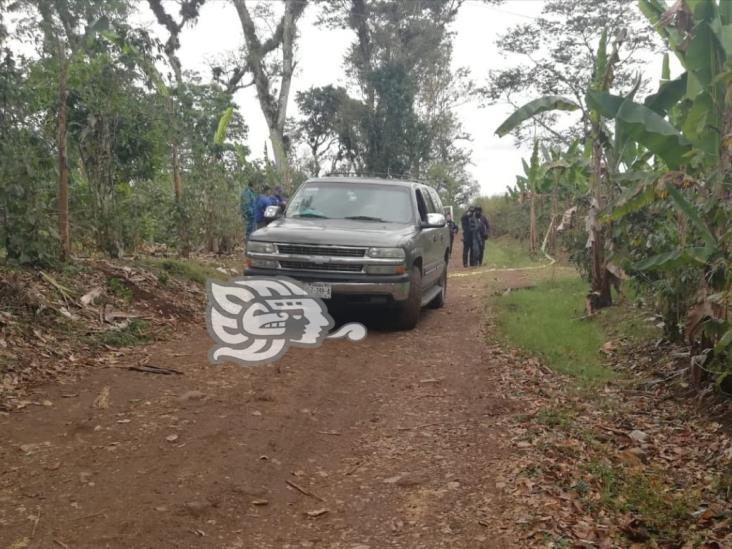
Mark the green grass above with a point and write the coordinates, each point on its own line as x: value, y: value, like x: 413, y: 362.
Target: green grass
x: 543, y: 320
x: 506, y: 252
x: 136, y: 332
x: 182, y: 268
x: 118, y: 288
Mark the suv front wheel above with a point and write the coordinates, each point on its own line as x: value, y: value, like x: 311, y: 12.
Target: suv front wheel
x: 408, y: 313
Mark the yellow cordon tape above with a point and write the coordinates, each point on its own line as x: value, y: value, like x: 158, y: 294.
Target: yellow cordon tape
x: 494, y: 270
x: 552, y: 261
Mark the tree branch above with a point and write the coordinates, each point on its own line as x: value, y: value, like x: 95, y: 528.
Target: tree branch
x: 189, y: 10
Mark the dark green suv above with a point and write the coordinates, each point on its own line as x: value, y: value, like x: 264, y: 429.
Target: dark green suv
x: 358, y: 240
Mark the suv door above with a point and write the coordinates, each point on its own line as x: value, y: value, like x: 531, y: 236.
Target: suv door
x: 425, y: 237
x: 444, y: 233
x: 433, y: 257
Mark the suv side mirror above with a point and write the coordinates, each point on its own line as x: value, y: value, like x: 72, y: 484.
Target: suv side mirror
x: 434, y: 221
x: 272, y: 212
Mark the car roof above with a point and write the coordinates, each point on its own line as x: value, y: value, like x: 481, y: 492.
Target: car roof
x: 363, y: 180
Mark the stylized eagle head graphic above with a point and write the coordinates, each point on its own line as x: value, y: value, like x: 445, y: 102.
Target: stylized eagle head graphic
x: 254, y: 320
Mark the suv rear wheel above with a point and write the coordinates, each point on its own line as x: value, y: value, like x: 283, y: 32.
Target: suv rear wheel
x: 408, y: 313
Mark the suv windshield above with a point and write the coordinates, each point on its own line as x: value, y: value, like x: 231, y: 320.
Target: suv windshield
x: 380, y: 203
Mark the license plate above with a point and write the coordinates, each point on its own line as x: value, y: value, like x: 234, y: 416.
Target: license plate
x: 318, y: 289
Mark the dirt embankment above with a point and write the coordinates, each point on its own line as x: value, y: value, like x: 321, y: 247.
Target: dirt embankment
x: 56, y: 324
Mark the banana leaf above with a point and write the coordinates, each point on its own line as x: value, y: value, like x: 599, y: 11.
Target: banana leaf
x: 724, y: 342
x: 533, y: 108
x: 673, y: 260
x: 644, y: 126
x: 669, y: 93
x: 704, y: 10
x: 704, y: 59
x: 700, y: 126
x: 693, y: 214
x: 654, y: 10
x: 725, y: 12
x: 220, y: 134
x: 642, y: 196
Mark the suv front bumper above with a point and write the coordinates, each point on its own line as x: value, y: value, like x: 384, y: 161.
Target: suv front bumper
x: 395, y: 288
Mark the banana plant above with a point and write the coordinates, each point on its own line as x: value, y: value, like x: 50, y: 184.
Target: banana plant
x: 566, y: 176
x: 605, y: 63
x: 528, y: 188
x: 687, y: 125
x: 688, y: 122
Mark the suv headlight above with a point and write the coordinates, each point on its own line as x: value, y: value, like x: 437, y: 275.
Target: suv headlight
x: 260, y: 247
x: 386, y: 253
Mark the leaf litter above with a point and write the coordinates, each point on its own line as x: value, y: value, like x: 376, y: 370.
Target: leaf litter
x: 620, y: 466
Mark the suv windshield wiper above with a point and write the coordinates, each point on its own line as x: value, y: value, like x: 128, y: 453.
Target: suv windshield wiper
x: 364, y: 218
x: 310, y: 214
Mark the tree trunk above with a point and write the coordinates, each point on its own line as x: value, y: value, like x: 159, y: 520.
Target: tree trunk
x: 175, y: 165
x: 279, y: 149
x: 273, y: 108
x: 600, y: 287
x: 553, y: 221
x: 532, y: 224
x: 63, y: 166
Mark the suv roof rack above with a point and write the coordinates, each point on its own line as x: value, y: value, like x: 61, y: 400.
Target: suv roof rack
x: 378, y: 175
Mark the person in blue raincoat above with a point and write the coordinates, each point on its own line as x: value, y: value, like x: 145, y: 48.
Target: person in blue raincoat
x: 247, y: 206
x: 265, y: 199
x: 279, y: 197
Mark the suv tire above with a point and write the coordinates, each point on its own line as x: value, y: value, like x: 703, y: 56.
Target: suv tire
x: 439, y: 301
x: 408, y: 312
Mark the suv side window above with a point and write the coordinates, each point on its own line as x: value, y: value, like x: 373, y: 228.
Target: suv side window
x: 436, y: 200
x: 426, y: 191
x: 422, y: 205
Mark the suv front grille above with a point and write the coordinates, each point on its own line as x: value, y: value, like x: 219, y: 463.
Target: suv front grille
x: 300, y: 249
x: 342, y: 267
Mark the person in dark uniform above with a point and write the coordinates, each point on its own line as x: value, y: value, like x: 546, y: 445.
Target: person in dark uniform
x: 453, y: 230
x: 476, y: 230
x: 467, y: 235
x: 482, y: 233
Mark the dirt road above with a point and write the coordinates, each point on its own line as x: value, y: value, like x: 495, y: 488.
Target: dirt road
x: 390, y: 442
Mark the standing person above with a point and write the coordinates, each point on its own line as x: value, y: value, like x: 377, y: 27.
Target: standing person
x: 467, y: 236
x: 279, y: 197
x: 453, y: 229
x: 265, y: 199
x: 476, y: 231
x: 484, y: 229
x: 247, y: 206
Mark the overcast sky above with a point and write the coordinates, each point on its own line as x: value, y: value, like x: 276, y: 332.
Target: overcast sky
x: 320, y: 61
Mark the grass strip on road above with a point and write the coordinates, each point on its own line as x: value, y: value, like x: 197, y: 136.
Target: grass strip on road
x: 544, y: 320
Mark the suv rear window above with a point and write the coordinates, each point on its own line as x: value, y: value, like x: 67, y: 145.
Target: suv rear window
x: 348, y: 201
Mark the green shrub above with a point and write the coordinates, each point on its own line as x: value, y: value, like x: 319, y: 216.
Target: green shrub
x: 119, y: 288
